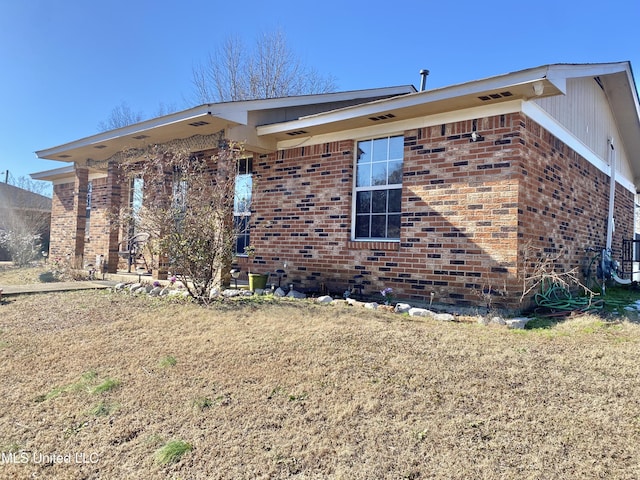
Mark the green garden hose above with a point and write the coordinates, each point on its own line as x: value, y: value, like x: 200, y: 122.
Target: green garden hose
x: 557, y: 298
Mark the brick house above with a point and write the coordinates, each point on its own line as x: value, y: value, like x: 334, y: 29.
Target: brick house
x: 428, y: 192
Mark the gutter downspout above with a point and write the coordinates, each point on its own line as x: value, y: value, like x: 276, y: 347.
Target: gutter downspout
x: 612, y: 191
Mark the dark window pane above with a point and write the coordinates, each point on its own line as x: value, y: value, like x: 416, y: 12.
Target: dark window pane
x: 396, y: 148
x: 379, y: 201
x: 363, y: 202
x: 395, y: 172
x: 362, y: 226
x: 378, y: 226
x: 395, y: 200
x: 393, y: 226
x: 241, y: 224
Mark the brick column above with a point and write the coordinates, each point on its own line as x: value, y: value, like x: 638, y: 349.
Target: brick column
x: 80, y: 214
x: 114, y: 202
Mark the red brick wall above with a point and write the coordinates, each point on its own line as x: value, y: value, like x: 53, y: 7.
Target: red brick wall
x: 63, y: 221
x: 68, y: 234
x: 565, y: 201
x: 103, y: 232
x: 468, y: 207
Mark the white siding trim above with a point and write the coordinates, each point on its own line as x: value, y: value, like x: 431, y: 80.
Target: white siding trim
x: 546, y: 121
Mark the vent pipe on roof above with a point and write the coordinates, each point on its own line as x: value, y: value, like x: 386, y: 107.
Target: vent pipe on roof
x: 423, y: 79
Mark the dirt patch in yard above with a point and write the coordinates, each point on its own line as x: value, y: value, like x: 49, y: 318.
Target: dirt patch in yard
x: 297, y: 390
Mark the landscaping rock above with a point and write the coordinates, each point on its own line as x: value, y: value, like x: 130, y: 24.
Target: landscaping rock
x: 386, y: 308
x: 371, y: 306
x: 518, y: 323
x: 402, y: 308
x: 119, y: 286
x: 155, y: 291
x: 420, y: 312
x: 134, y: 287
x: 279, y: 293
x: 214, y: 292
x: 352, y: 302
x: 231, y: 292
x: 324, y: 299
x: 444, y: 317
x: 296, y: 294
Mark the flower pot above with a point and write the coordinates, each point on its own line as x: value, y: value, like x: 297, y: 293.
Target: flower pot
x: 257, y: 280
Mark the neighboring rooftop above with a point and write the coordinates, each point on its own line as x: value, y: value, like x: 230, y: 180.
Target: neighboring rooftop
x: 17, y: 198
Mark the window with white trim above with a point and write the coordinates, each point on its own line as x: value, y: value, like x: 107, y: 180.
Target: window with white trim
x: 378, y: 188
x: 88, y: 215
x: 242, y: 204
x: 136, y: 193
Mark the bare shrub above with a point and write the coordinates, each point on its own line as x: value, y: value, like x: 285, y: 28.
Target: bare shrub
x: 540, y: 268
x: 186, y: 208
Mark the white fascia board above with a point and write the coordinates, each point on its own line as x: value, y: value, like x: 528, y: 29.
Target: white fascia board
x: 46, y: 174
x: 390, y: 128
x: 546, y: 121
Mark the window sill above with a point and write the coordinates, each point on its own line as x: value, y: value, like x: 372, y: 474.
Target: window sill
x: 371, y: 245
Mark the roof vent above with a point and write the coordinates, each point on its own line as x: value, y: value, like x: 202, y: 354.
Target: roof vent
x: 199, y: 124
x: 495, y: 96
x: 297, y: 132
x: 423, y: 79
x: 100, y: 147
x: 140, y: 137
x: 64, y: 156
x: 382, y: 117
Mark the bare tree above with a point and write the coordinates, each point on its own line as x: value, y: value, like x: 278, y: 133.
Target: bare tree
x: 121, y: 116
x: 270, y: 70
x: 186, y: 208
x: 35, y: 186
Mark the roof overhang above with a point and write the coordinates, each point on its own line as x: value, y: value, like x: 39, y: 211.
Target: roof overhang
x: 526, y: 84
x: 205, y: 120
x: 55, y: 174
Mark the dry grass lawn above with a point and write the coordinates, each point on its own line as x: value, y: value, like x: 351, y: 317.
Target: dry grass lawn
x: 297, y: 390
x: 11, y: 275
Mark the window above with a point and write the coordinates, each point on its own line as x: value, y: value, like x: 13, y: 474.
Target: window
x: 378, y: 189
x: 242, y: 204
x: 179, y: 192
x: 88, y: 211
x: 136, y: 193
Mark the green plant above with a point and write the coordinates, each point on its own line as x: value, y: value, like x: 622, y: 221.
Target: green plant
x: 202, y: 403
x: 102, y: 409
x: 107, y: 385
x: 172, y: 452
x: 168, y: 361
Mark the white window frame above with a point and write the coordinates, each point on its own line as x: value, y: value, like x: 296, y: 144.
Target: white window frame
x: 387, y: 187
x: 246, y: 212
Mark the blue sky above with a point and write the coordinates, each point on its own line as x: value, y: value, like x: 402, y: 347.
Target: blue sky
x: 64, y: 65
